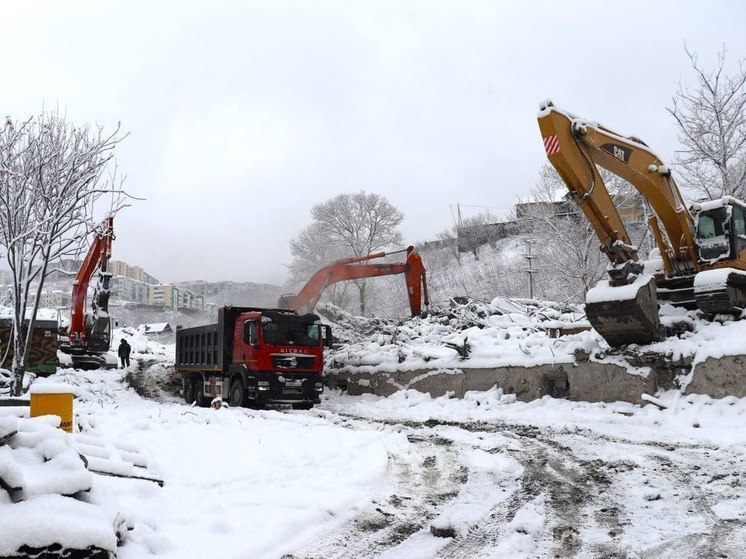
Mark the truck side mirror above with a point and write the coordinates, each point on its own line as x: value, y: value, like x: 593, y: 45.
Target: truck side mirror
x: 328, y: 339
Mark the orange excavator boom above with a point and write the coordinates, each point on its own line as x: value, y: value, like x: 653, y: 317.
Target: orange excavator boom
x: 89, y: 334
x: 358, y: 268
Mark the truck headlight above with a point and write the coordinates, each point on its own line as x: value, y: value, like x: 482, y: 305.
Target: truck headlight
x: 319, y: 387
x: 262, y: 385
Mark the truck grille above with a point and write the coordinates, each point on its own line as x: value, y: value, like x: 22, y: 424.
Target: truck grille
x: 293, y: 361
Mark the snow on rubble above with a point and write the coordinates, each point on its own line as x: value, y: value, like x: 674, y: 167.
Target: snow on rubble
x: 514, y: 332
x: 473, y: 334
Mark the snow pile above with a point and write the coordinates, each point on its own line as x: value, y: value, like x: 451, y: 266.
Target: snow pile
x: 702, y: 339
x: 46, y: 497
x: 143, y: 348
x: 465, y: 335
x: 517, y: 332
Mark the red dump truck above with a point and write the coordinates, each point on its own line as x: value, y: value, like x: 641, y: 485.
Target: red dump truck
x: 254, y: 356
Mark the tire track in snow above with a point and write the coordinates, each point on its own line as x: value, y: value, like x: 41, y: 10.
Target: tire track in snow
x: 416, y: 491
x: 587, y: 511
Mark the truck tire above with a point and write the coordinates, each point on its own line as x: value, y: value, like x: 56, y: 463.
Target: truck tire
x: 238, y: 394
x: 189, y: 389
x: 199, y: 395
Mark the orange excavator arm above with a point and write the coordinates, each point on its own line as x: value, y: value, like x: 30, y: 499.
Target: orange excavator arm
x: 575, y: 146
x: 358, y: 268
x: 97, y: 258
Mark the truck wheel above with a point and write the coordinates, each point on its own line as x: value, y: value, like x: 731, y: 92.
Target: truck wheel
x: 199, y: 395
x: 238, y: 394
x: 188, y: 390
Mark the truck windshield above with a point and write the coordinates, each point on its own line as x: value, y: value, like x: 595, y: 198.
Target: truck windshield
x: 279, y: 333
x: 712, y: 234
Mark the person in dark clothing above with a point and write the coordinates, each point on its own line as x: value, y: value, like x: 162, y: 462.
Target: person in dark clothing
x: 124, y: 353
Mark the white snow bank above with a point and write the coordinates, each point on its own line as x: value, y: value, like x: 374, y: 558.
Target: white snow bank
x: 44, y: 520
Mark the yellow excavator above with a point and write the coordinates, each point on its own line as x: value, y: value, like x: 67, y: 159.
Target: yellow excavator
x: 702, y: 249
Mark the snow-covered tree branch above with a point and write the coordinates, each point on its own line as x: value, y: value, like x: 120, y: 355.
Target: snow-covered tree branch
x: 54, y: 176
x: 711, y: 118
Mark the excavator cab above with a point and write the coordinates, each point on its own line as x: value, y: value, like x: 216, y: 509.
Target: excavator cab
x: 720, y: 229
x: 720, y: 239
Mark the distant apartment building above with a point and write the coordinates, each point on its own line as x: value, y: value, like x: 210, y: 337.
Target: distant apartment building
x: 171, y: 297
x: 197, y: 287
x: 164, y: 295
x: 55, y: 299
x: 130, y: 290
x: 122, y: 269
x: 189, y: 300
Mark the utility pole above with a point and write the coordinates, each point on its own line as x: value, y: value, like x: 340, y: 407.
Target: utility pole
x: 530, y: 270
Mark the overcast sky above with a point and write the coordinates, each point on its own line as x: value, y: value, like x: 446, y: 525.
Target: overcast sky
x: 242, y: 115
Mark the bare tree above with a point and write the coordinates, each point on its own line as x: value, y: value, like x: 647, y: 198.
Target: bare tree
x: 311, y: 251
x: 476, y: 231
x: 52, y: 173
x: 567, y: 247
x: 711, y: 118
x: 352, y: 224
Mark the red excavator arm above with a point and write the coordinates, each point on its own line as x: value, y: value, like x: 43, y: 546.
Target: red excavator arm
x: 352, y: 268
x: 90, y: 334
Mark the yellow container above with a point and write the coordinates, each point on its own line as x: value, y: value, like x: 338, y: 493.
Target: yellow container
x: 47, y: 402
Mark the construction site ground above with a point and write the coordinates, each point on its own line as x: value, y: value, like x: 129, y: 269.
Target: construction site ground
x: 471, y: 473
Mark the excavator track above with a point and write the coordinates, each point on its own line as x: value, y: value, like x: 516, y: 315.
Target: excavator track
x: 723, y: 299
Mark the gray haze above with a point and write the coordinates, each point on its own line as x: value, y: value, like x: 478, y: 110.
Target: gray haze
x: 244, y: 114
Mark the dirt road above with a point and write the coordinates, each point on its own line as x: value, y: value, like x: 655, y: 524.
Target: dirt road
x: 548, y: 493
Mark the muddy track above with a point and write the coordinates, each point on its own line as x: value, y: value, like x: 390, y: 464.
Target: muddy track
x: 591, y: 504
x: 416, y: 491
x: 567, y: 486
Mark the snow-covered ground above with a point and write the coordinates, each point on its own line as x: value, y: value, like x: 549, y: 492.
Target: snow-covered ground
x: 407, y: 476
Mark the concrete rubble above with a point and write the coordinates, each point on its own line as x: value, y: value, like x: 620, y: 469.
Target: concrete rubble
x: 528, y: 348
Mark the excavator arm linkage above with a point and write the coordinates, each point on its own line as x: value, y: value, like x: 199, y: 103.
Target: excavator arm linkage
x: 625, y: 311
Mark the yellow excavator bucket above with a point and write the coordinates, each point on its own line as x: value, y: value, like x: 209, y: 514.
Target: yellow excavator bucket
x: 626, y: 314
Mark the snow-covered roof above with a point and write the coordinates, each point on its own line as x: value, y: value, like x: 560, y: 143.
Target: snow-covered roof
x: 157, y: 328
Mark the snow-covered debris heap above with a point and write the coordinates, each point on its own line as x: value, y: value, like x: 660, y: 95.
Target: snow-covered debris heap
x: 47, y: 507
x: 465, y: 334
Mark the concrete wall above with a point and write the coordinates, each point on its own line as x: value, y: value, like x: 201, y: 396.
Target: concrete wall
x: 581, y: 381
x: 594, y: 382
x: 719, y: 378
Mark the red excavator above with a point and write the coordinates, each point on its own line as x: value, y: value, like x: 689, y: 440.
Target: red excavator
x: 89, y: 335
x: 355, y: 268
